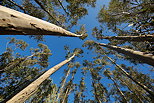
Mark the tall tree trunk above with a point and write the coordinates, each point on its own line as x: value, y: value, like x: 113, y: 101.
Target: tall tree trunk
x: 151, y: 93
x: 121, y: 93
x: 141, y: 56
x: 62, y: 85
x: 16, y: 23
x: 31, y: 89
x: 95, y: 94
x: 65, y: 96
x: 141, y: 38
x: 136, y: 93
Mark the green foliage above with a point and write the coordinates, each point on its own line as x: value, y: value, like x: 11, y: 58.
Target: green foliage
x: 32, y: 9
x: 91, y: 80
x: 82, y: 32
x: 17, y: 71
x: 136, y: 13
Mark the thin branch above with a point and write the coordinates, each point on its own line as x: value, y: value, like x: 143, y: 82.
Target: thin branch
x: 136, y: 93
x: 22, y: 8
x: 121, y: 93
x: 42, y: 6
x: 130, y: 77
x: 63, y: 7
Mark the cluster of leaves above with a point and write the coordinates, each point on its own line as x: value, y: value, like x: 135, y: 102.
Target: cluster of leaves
x: 120, y: 83
x: 126, y: 82
x: 17, y: 71
x: 128, y: 18
x: 138, y: 14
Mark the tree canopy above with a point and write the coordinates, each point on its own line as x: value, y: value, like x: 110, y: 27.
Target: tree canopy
x: 107, y: 53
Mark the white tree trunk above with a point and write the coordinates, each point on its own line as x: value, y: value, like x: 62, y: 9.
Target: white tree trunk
x: 16, y: 23
x: 141, y: 38
x: 141, y: 56
x: 32, y: 88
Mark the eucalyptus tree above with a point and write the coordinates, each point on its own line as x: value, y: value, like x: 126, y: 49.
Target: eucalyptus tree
x: 138, y: 14
x: 151, y: 93
x: 108, y: 73
x: 32, y: 88
x: 99, y: 91
x: 52, y: 10
x: 136, y: 93
x: 18, y: 70
x: 128, y: 18
x: 141, y: 56
x: 142, y: 38
x: 121, y: 71
x: 18, y: 23
x: 123, y: 85
x: 68, y: 87
x: 63, y: 82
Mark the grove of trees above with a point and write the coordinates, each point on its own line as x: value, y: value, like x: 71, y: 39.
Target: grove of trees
x: 111, y: 63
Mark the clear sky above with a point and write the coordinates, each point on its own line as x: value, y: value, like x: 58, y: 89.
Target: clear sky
x: 56, y: 44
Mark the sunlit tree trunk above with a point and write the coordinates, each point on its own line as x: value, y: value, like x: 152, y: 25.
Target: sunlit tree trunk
x: 130, y: 77
x: 141, y: 38
x: 62, y: 85
x: 32, y: 88
x: 65, y: 96
x: 141, y: 56
x: 16, y: 23
x: 137, y: 95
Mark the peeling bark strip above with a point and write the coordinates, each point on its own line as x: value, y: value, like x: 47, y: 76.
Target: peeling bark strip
x: 141, y: 56
x: 32, y: 88
x: 16, y: 23
x: 142, y: 38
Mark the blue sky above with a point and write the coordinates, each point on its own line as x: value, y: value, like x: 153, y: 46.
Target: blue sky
x: 56, y: 44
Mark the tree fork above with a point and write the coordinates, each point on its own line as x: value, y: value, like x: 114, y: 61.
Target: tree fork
x: 13, y: 22
x: 32, y: 88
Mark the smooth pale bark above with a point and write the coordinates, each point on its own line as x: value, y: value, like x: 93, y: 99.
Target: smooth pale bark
x: 32, y: 88
x: 141, y: 56
x: 62, y: 85
x: 16, y: 23
x: 141, y: 38
x: 130, y: 77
